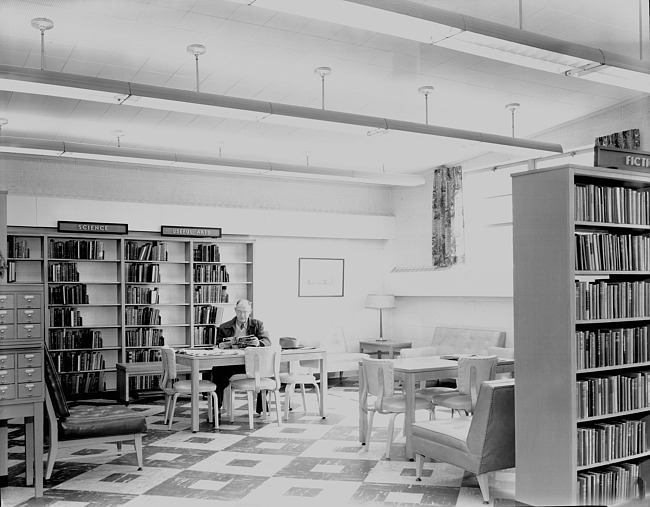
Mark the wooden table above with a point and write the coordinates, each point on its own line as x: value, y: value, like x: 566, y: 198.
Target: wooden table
x: 380, y: 347
x: 411, y: 371
x: 199, y: 363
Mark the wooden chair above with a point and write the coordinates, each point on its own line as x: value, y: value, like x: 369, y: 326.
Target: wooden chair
x: 479, y: 444
x: 173, y: 388
x: 379, y: 384
x: 472, y: 372
x: 297, y: 375
x: 262, y: 376
x: 86, y: 425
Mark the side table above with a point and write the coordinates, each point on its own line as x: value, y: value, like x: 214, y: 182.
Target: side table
x: 380, y: 347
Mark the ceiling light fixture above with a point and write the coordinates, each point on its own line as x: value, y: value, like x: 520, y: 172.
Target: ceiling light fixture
x: 200, y: 103
x: 426, y: 90
x: 196, y: 50
x: 459, y: 32
x: 42, y: 24
x: 42, y: 147
x: 322, y: 72
x: 513, y: 107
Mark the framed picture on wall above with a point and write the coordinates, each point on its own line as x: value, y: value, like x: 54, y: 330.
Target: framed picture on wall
x: 320, y: 277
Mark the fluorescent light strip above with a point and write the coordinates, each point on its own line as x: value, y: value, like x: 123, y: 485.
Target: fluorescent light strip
x: 220, y: 105
x: 42, y: 147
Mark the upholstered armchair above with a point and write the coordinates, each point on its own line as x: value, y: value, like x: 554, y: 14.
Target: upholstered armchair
x: 480, y: 444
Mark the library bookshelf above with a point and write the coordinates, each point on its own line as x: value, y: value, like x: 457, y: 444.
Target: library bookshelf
x: 113, y: 299
x: 581, y: 317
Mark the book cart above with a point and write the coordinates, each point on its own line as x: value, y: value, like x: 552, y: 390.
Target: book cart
x: 113, y: 299
x: 581, y: 316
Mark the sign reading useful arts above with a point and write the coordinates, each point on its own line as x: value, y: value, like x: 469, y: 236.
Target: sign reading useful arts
x: 195, y: 232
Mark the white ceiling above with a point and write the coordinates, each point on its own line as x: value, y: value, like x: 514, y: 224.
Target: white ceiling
x: 257, y: 53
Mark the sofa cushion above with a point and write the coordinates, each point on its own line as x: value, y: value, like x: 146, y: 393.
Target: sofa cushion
x: 89, y: 421
x: 457, y: 340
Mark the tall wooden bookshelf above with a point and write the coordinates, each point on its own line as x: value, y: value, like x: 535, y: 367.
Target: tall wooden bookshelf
x: 581, y: 317
x: 115, y: 298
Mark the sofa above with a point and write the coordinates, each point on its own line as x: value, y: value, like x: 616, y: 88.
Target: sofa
x: 341, y: 356
x: 459, y: 340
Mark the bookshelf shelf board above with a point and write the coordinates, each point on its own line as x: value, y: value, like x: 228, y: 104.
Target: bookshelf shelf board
x: 89, y: 326
x: 156, y: 283
x: 156, y: 304
x: 614, y: 367
x: 135, y: 326
x: 86, y: 371
x: 25, y: 259
x: 85, y: 305
x: 611, y: 225
x: 613, y: 321
x: 96, y: 349
x: 50, y: 282
x: 135, y: 261
x: 619, y: 273
x: 140, y: 347
x: 59, y: 261
x: 611, y: 462
x: 615, y: 415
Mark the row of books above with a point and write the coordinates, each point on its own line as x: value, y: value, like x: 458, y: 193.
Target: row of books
x: 63, y: 272
x: 143, y: 273
x: 205, y: 335
x: 206, y: 253
x: 78, y: 361
x: 75, y: 339
x: 616, y: 205
x: 145, y: 316
x: 208, y: 294
x: 612, y: 485
x: 139, y: 295
x: 142, y: 356
x: 144, y: 337
x: 208, y: 314
x: 601, y: 251
x: 609, y: 441
x: 82, y: 383
x: 154, y: 251
x: 65, y: 317
x: 612, y: 394
x: 76, y: 249
x: 612, y: 347
x: 68, y: 294
x: 211, y: 273
x: 144, y: 382
x: 17, y: 248
x: 612, y: 300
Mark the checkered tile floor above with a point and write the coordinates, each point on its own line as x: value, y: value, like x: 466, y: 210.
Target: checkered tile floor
x: 306, y: 461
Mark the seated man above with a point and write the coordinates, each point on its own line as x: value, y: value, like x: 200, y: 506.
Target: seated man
x: 242, y: 325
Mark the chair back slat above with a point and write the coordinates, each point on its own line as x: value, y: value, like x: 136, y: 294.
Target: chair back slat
x: 57, y: 396
x: 263, y: 362
x: 380, y: 376
x: 484, y: 367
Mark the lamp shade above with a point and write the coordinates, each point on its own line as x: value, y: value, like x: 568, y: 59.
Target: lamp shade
x: 380, y: 301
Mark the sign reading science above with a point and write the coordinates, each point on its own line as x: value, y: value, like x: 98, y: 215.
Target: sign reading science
x: 195, y: 232
x: 92, y: 227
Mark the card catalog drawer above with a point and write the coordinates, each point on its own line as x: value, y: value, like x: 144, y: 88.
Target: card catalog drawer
x: 7, y: 332
x: 6, y: 301
x: 7, y: 377
x: 30, y: 360
x: 6, y: 317
x: 7, y: 361
x: 7, y: 392
x: 29, y: 375
x: 29, y: 330
x: 29, y: 315
x: 30, y: 390
x: 28, y: 300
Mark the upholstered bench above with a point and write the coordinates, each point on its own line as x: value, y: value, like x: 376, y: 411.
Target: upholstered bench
x: 458, y: 340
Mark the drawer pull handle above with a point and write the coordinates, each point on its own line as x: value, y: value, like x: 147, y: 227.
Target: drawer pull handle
x: 29, y: 357
x: 29, y: 372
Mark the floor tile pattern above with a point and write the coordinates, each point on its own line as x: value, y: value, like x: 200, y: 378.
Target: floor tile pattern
x: 305, y: 461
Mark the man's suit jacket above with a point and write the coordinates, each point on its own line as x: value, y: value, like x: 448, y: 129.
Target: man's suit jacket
x: 255, y: 328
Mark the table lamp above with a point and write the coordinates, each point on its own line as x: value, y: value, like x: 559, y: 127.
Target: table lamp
x: 380, y: 301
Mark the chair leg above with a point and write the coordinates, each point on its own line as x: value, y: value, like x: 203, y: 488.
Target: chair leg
x: 231, y: 397
x: 167, y: 405
x: 172, y: 410
x: 251, y: 407
x: 227, y: 403
x: 288, y: 394
x: 119, y: 447
x: 371, y: 417
x: 484, y: 487
x: 137, y: 442
x: 304, y: 398
x: 391, y: 434
x: 317, y: 394
x: 419, y: 465
x: 51, y: 458
x: 210, y: 409
x: 276, y: 393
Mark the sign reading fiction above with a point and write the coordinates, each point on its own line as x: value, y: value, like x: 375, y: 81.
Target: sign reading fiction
x: 621, y: 159
x: 92, y: 227
x: 196, y: 232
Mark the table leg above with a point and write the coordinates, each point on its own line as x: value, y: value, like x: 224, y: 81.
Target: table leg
x: 409, y: 416
x: 323, y: 386
x: 29, y: 450
x: 363, y: 400
x: 195, y: 375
